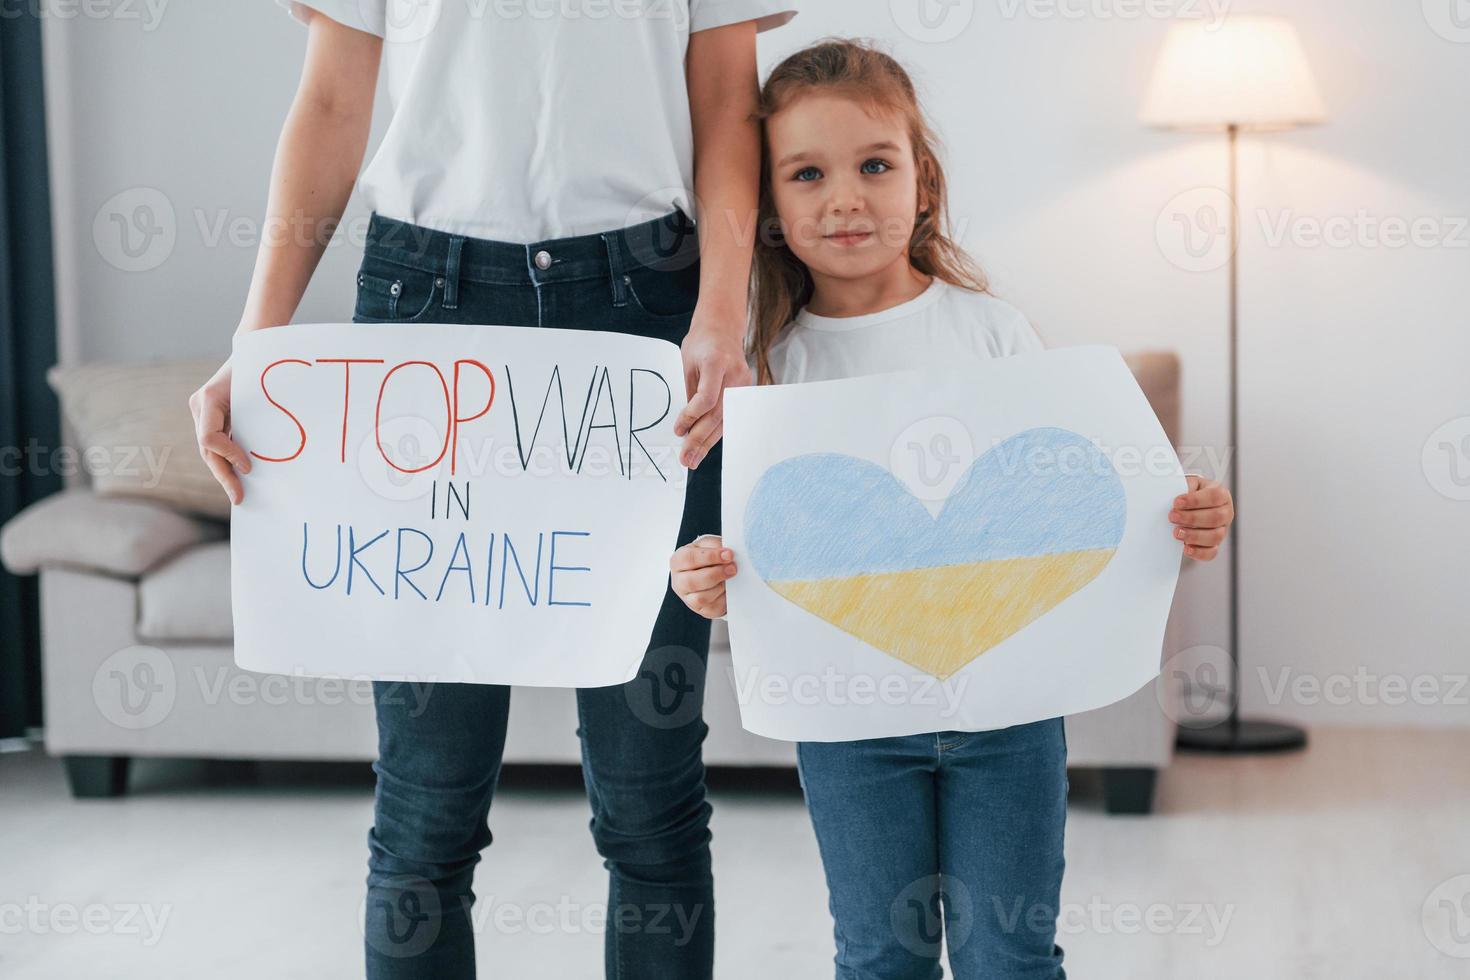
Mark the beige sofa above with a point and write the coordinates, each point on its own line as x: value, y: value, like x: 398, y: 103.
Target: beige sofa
x: 136, y: 631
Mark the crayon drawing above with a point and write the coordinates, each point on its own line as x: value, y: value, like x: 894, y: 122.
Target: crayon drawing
x: 1034, y: 520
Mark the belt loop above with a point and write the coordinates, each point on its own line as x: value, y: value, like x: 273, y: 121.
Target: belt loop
x: 451, y: 273
x: 615, y: 269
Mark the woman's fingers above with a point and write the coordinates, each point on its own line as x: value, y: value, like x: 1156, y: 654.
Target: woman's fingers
x: 219, y: 444
x: 706, y: 399
x: 705, y: 433
x: 221, y: 454
x: 225, y: 474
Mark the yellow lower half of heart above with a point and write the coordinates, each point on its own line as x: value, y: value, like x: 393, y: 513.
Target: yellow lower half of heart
x: 940, y: 619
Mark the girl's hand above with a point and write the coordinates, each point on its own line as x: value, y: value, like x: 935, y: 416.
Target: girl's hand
x: 1201, y: 517
x: 211, y: 408
x: 698, y: 572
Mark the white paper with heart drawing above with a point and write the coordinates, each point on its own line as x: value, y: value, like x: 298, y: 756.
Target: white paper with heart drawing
x: 965, y: 549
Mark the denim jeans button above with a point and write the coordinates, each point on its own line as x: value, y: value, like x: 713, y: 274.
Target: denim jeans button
x: 543, y: 260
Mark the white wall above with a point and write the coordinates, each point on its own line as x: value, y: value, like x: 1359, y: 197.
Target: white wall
x: 181, y: 113
x: 1352, y: 354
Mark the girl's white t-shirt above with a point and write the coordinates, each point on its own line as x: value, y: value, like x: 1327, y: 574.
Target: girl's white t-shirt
x: 941, y: 326
x: 529, y: 120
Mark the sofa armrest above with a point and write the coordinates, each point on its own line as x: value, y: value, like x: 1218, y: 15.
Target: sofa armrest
x: 105, y: 534
x: 1158, y: 375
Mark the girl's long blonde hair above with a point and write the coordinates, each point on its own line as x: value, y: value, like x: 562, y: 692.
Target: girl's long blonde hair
x: 781, y: 284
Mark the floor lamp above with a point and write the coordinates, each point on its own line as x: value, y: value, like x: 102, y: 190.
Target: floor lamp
x: 1246, y: 73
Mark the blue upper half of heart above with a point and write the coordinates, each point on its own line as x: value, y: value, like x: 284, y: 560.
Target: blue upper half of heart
x: 1041, y: 492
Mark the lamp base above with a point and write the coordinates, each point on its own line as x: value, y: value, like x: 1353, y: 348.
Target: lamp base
x: 1239, y: 736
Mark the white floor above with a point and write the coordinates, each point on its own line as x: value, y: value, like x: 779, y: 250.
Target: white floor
x: 1340, y: 862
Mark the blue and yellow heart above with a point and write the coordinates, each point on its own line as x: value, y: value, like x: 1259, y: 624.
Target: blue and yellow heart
x: 1033, y: 521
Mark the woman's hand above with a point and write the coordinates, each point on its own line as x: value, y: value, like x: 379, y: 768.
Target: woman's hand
x: 211, y: 408
x: 1202, y: 516
x: 714, y: 359
x: 698, y: 572
x: 724, y: 88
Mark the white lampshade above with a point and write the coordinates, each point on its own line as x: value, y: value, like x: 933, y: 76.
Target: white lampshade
x: 1247, y: 71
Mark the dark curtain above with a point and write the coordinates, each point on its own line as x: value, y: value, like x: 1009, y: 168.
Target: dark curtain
x: 28, y: 413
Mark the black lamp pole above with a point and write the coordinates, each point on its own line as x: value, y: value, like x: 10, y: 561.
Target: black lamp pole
x: 1235, y: 734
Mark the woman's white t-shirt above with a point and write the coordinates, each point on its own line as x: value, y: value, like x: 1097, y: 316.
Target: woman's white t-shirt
x: 528, y: 120
x: 941, y: 326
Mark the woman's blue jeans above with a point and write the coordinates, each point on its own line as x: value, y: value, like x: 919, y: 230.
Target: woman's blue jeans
x: 954, y: 836
x: 440, y: 746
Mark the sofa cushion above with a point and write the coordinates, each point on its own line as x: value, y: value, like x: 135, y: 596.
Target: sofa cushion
x: 133, y: 427
x: 188, y: 598
x: 117, y: 536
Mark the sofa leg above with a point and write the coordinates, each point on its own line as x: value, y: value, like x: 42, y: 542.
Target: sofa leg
x: 1128, y: 790
x: 97, y: 776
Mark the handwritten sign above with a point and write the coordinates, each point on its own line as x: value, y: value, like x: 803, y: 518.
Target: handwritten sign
x: 967, y: 549
x: 442, y: 502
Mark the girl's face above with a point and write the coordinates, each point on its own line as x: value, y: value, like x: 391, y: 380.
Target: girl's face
x: 844, y: 184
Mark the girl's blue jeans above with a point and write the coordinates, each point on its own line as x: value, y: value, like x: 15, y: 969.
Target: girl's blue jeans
x: 953, y: 837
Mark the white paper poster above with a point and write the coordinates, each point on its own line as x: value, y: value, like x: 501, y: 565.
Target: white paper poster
x: 438, y: 502
x: 968, y: 549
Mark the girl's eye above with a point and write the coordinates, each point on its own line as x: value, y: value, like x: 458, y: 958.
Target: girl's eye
x: 875, y: 167
x: 807, y: 173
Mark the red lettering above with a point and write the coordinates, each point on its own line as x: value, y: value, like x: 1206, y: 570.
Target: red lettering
x: 448, y: 417
x: 299, y: 427
x: 454, y: 437
x: 347, y: 363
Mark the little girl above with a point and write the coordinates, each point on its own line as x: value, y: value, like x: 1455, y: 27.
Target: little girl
x: 952, y: 836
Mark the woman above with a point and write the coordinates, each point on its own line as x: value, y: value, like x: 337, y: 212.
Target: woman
x: 538, y: 170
